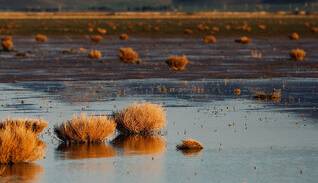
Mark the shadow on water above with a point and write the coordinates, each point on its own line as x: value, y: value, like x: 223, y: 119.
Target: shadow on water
x: 139, y: 145
x: 84, y: 151
x: 24, y: 172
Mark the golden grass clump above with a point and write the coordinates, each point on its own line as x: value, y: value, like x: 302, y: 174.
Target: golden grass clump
x: 244, y: 40
x: 275, y: 95
x: 314, y: 29
x: 202, y: 27
x: 210, y: 39
x: 128, y: 55
x: 101, y: 31
x: 140, y: 144
x: 34, y: 125
x: 177, y: 63
x: 237, y: 91
x: 7, y: 43
x: 95, y: 54
x: 85, y: 129
x: 123, y: 37
x: 294, y: 36
x: 19, y: 144
x: 41, y: 38
x: 262, y: 26
x: 189, y: 144
x: 297, y: 54
x: 144, y: 118
x: 96, y: 38
x: 188, y: 31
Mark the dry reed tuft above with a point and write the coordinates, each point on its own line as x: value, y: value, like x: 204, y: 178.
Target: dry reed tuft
x: 7, y: 43
x: 262, y: 26
x: 128, y: 55
x: 95, y: 54
x: 314, y: 29
x: 298, y: 54
x: 189, y: 144
x: 244, y: 40
x: 177, y: 63
x: 144, y: 118
x: 188, y: 31
x: 19, y: 144
x: 96, y: 38
x: 140, y: 144
x: 34, y: 125
x: 123, y: 37
x: 275, y: 95
x: 41, y: 38
x: 85, y: 129
x: 101, y: 31
x: 237, y: 91
x: 210, y: 39
x: 294, y: 36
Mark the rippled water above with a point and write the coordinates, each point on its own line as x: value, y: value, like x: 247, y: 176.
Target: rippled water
x: 245, y: 140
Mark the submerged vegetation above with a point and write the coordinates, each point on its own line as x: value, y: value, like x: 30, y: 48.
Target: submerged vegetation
x: 144, y: 118
x: 85, y: 129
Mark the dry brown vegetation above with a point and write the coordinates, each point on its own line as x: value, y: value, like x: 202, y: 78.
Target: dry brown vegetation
x: 140, y: 144
x: 177, y: 63
x: 210, y: 39
x: 294, y: 36
x: 189, y: 144
x: 123, y: 37
x: 298, y: 54
x: 262, y: 26
x: 188, y: 31
x: 7, y: 43
x: 96, y: 38
x: 314, y: 29
x: 101, y: 31
x: 41, y: 38
x: 128, y: 55
x: 275, y: 95
x: 34, y: 125
x: 237, y: 91
x: 85, y: 129
x: 19, y: 144
x: 244, y: 40
x: 95, y: 54
x: 142, y: 118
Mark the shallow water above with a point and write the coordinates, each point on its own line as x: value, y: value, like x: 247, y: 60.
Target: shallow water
x: 245, y: 140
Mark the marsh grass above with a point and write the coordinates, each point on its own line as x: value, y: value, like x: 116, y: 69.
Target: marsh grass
x: 7, y: 43
x: 124, y: 37
x: 210, y: 39
x: 101, y: 31
x: 297, y: 54
x: 85, y: 129
x: 244, y: 40
x: 140, y: 118
x: 177, y: 63
x: 275, y: 95
x: 34, y: 125
x: 189, y: 144
x: 41, y: 38
x: 294, y: 36
x: 19, y: 144
x: 95, y: 54
x: 96, y: 38
x: 128, y: 55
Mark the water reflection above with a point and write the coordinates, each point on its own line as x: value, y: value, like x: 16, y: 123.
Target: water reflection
x: 137, y: 144
x: 82, y: 151
x: 24, y: 172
